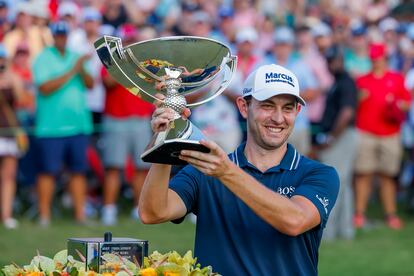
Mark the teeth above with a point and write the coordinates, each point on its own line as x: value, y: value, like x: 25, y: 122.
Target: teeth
x: 274, y: 129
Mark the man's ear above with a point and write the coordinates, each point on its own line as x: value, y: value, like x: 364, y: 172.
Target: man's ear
x: 299, y: 108
x: 243, y: 106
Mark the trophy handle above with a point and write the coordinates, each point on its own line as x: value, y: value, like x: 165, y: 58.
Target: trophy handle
x: 107, y: 47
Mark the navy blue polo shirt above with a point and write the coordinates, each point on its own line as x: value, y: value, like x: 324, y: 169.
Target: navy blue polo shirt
x: 234, y: 240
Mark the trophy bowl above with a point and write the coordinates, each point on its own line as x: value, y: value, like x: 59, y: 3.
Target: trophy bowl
x: 188, y: 71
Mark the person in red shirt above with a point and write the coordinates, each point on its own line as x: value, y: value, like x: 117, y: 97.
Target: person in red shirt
x: 126, y: 133
x: 383, y: 101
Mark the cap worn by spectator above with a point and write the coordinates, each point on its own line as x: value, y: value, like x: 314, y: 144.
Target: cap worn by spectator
x: 248, y: 34
x: 388, y: 24
x: 200, y: 17
x: 189, y: 6
x: 377, y: 51
x: 91, y: 14
x: 321, y: 29
x: 402, y: 28
x: 67, y: 8
x: 23, y: 7
x: 40, y: 11
x: 271, y: 80
x: 127, y: 32
x: 225, y: 12
x: 358, y: 29
x: 106, y: 29
x: 60, y: 28
x: 3, y: 4
x: 283, y: 35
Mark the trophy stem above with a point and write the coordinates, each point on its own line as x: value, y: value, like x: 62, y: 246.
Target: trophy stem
x: 173, y: 98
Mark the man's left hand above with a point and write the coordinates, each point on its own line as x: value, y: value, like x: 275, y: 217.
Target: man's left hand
x: 215, y: 163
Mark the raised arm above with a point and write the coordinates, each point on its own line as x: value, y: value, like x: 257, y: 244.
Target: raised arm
x: 52, y: 85
x: 290, y: 216
x: 157, y: 202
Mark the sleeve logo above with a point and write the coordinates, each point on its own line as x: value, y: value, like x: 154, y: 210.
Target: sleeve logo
x: 324, y: 201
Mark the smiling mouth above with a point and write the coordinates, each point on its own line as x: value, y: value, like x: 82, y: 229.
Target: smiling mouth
x: 274, y: 129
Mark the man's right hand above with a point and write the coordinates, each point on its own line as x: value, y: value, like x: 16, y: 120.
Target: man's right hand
x: 78, y: 67
x: 163, y: 116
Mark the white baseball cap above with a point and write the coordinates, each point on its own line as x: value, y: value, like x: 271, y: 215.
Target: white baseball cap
x: 248, y: 34
x: 388, y: 24
x: 271, y: 80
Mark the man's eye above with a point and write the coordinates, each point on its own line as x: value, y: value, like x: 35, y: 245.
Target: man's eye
x: 267, y: 106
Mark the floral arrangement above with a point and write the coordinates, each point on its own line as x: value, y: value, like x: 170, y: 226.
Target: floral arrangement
x: 157, y: 264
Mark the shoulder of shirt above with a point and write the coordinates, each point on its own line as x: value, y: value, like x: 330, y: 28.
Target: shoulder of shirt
x: 307, y: 165
x: 189, y: 170
x: 364, y: 77
x: 43, y: 54
x: 396, y: 74
x: 347, y: 78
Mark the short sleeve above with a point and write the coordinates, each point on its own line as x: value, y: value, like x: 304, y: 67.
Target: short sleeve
x: 321, y: 186
x: 41, y: 72
x: 185, y: 184
x: 409, y: 80
x: 349, y: 93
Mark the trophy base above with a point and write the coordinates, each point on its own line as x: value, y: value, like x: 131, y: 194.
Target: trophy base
x: 168, y: 151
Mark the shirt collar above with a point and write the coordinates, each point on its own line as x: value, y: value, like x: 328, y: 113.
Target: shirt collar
x: 289, y: 162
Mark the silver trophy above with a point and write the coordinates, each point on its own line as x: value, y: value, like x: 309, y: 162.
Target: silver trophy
x: 188, y: 71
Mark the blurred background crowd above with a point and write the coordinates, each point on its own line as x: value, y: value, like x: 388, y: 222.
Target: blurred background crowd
x: 70, y: 133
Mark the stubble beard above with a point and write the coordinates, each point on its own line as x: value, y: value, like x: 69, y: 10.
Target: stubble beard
x: 263, y: 141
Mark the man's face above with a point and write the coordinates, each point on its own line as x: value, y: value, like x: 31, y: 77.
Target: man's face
x: 60, y: 41
x: 282, y: 50
x: 335, y: 65
x: 91, y: 26
x: 379, y: 63
x: 245, y: 48
x: 270, y: 122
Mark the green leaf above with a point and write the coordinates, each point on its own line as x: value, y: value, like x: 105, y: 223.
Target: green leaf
x: 56, y: 273
x: 44, y: 264
x: 171, y: 267
x: 31, y: 267
x: 73, y: 271
x: 60, y: 259
x: 10, y: 270
x: 122, y: 273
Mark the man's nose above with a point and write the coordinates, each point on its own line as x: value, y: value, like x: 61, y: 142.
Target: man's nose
x: 277, y: 116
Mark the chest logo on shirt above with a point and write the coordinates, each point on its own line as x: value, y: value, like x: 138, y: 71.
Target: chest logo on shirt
x: 324, y: 201
x: 286, y: 191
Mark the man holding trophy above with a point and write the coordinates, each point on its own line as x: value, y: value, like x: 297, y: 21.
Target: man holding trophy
x: 260, y: 210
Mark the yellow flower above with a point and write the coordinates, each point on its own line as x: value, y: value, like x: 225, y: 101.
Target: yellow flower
x: 169, y: 273
x: 34, y: 273
x: 148, y: 272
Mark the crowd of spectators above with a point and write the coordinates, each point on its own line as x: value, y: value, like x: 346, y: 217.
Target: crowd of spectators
x: 79, y: 120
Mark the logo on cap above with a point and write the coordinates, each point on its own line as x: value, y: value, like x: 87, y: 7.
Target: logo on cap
x: 279, y: 77
x: 247, y: 90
